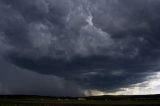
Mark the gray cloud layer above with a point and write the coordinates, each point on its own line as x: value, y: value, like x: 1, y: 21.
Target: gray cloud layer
x: 105, y: 44
x: 14, y: 80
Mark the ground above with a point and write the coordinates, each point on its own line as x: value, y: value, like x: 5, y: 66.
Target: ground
x: 73, y: 101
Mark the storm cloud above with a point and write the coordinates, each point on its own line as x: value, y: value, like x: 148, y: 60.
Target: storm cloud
x: 99, y: 44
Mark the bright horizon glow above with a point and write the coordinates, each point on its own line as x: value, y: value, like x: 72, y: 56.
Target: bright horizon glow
x: 150, y: 86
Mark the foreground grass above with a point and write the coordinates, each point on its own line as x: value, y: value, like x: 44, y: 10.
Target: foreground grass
x: 45, y: 102
x: 22, y: 100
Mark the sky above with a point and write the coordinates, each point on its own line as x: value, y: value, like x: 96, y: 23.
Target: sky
x: 79, y: 47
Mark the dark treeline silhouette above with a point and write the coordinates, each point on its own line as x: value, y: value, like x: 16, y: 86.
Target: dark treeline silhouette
x: 104, y: 97
x: 124, y: 97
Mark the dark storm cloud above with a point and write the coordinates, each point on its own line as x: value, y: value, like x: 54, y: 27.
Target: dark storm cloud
x: 14, y: 80
x: 105, y: 44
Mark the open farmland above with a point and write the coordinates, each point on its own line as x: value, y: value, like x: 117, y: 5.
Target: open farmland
x: 86, y: 101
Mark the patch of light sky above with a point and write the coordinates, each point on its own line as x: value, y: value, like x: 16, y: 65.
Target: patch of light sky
x: 150, y: 86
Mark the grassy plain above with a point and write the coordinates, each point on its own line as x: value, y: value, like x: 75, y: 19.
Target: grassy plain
x: 86, y: 101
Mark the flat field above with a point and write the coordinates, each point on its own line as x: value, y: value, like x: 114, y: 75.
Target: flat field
x: 40, y: 101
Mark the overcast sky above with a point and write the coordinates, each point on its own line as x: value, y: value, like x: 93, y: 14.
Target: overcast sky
x: 79, y: 47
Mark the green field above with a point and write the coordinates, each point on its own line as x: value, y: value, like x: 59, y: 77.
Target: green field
x: 47, y: 101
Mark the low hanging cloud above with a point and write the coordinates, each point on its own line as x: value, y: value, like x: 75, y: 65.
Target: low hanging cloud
x: 105, y: 45
x: 17, y: 81
x: 4, y: 90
